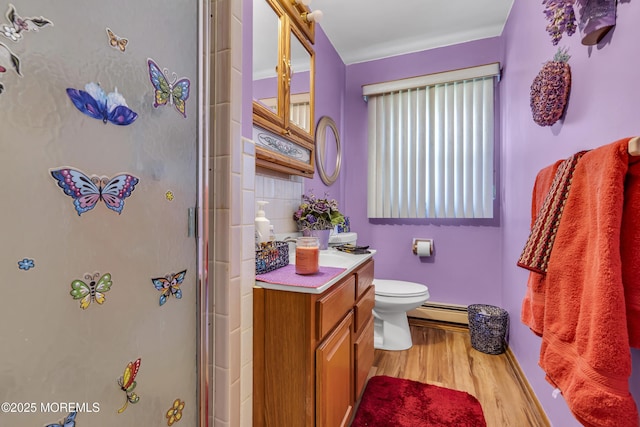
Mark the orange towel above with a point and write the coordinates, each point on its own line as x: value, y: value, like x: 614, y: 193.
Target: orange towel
x: 533, y: 303
x: 585, y: 348
x: 630, y: 250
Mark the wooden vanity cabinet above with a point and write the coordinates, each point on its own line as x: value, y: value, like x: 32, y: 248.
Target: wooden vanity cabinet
x: 284, y: 87
x: 312, y: 352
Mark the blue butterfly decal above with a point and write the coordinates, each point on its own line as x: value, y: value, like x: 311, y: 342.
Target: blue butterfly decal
x: 169, y: 285
x: 86, y: 192
x: 69, y: 421
x: 174, y: 92
x: 94, y: 102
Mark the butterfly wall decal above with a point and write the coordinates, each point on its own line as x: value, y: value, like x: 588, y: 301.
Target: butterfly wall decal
x: 86, y: 192
x: 127, y: 383
x: 68, y: 421
x: 93, y: 291
x: 116, y: 42
x: 8, y: 58
x: 94, y: 102
x: 19, y: 25
x: 173, y: 92
x: 169, y: 285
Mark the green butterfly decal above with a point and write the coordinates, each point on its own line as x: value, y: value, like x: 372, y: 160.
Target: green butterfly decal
x: 173, y: 92
x: 93, y: 291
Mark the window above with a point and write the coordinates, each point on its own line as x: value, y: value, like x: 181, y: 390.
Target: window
x: 431, y: 141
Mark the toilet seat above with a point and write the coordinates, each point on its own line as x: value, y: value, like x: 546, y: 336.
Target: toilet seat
x: 399, y: 288
x: 393, y: 299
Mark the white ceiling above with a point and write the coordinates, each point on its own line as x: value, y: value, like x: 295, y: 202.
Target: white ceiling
x: 363, y: 30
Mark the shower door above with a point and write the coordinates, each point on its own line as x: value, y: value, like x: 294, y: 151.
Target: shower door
x: 98, y: 145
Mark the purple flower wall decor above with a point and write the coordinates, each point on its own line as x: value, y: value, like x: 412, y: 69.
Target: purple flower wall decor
x: 561, y: 17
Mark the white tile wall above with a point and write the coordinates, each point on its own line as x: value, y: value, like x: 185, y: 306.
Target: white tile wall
x: 235, y: 188
x: 233, y: 161
x: 283, y: 192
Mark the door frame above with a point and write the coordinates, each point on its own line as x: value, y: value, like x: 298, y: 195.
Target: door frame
x: 203, y: 211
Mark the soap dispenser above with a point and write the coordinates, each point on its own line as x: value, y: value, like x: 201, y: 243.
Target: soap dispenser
x: 262, y: 223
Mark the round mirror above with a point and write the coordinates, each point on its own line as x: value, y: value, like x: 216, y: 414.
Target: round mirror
x: 328, y: 150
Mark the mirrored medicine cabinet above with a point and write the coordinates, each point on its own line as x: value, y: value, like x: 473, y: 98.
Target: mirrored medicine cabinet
x: 283, y: 87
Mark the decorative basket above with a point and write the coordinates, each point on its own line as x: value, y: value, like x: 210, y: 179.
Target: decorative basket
x: 488, y: 327
x: 271, y: 256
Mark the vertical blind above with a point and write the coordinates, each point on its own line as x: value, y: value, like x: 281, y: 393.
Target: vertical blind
x: 299, y: 114
x: 431, y: 150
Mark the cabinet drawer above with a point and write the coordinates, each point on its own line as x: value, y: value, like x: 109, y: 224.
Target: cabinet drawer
x: 333, y: 306
x: 363, y: 309
x: 364, y: 352
x: 365, y: 278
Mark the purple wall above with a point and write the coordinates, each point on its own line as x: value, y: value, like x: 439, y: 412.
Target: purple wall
x: 330, y: 89
x: 602, y: 108
x: 466, y: 266
x: 267, y: 88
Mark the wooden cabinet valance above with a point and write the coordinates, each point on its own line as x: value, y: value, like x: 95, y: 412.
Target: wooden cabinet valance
x: 283, y: 84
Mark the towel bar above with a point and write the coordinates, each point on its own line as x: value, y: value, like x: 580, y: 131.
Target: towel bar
x: 634, y: 146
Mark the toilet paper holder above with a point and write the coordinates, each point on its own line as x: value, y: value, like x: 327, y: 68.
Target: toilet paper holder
x: 415, y: 246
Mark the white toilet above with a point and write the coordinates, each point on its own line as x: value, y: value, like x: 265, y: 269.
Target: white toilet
x: 392, y: 301
x: 393, y: 298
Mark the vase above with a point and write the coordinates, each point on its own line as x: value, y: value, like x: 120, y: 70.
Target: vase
x: 597, y: 17
x: 322, y: 235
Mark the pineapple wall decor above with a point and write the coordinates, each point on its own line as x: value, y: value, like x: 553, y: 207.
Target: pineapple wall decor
x: 550, y: 90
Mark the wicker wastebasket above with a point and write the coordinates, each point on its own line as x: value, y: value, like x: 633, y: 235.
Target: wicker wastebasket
x: 488, y: 327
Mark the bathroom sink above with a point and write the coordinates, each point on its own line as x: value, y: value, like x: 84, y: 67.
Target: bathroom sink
x: 332, y: 258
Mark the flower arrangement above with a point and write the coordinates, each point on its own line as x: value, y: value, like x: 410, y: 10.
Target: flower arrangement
x: 561, y: 17
x: 317, y: 214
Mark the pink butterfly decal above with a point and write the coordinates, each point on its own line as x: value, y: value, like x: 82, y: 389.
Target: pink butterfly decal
x: 87, y: 192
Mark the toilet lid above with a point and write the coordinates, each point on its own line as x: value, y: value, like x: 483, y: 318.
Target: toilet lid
x: 391, y: 288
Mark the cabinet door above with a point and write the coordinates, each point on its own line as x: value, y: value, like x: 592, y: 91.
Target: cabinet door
x: 334, y: 377
x: 364, y: 353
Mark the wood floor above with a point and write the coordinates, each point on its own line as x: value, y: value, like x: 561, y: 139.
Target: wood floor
x: 442, y: 355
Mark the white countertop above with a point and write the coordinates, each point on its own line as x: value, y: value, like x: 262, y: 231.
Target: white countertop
x: 328, y: 258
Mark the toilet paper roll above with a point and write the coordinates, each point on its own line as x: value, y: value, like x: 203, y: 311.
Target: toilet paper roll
x: 423, y: 248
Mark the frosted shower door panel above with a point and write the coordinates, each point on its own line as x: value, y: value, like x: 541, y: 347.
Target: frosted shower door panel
x: 56, y: 356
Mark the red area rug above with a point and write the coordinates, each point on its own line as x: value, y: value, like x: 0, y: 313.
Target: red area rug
x: 397, y: 402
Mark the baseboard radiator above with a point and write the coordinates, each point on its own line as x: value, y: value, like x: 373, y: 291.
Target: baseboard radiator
x: 452, y: 313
